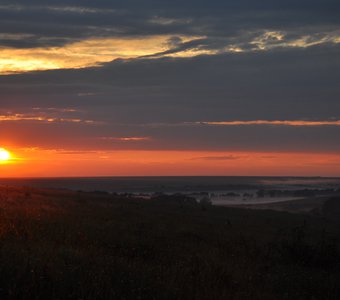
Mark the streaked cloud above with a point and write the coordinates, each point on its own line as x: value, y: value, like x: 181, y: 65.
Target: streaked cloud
x: 168, y: 21
x: 218, y: 158
x: 127, y: 139
x: 47, y: 115
x: 69, y: 9
x: 269, y: 122
x: 293, y: 123
x: 77, y: 9
x: 55, y: 109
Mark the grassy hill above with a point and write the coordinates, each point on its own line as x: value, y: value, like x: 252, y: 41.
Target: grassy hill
x: 72, y: 245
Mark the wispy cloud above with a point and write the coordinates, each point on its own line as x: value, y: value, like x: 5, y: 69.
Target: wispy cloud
x: 55, y: 109
x: 301, y: 123
x: 80, y: 10
x: 43, y: 119
x: 127, y: 139
x: 61, y: 9
x: 269, y: 122
x: 218, y: 158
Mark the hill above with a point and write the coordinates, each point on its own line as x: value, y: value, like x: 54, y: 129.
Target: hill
x: 58, y: 244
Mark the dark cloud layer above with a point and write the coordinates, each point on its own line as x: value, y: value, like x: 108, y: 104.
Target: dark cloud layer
x: 159, y: 97
x: 68, y: 21
x: 280, y: 84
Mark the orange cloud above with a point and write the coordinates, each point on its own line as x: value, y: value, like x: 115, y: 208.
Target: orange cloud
x: 127, y: 139
x: 86, y: 53
x: 275, y: 122
x: 40, y: 118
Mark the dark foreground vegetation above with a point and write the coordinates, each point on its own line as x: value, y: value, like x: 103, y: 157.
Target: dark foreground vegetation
x: 72, y: 245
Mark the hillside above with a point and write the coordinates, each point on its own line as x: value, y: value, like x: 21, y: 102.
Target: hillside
x: 71, y: 245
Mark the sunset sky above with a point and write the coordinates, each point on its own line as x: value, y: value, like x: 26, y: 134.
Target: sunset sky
x: 160, y: 87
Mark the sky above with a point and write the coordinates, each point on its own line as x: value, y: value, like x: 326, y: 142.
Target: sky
x: 146, y: 87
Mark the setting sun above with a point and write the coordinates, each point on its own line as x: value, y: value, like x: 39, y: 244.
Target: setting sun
x: 4, y: 155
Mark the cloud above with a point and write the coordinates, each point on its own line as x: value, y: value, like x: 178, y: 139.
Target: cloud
x: 33, y: 118
x: 46, y: 115
x: 81, y: 54
x: 218, y: 158
x: 76, y: 34
x: 165, y: 97
x: 127, y: 138
x: 54, y: 109
x: 275, y: 123
x: 96, y: 51
x: 285, y: 84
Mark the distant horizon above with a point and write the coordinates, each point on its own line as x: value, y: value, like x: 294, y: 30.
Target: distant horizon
x: 175, y: 184
x: 170, y: 176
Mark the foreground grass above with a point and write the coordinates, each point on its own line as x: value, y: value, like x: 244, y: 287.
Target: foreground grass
x: 67, y: 245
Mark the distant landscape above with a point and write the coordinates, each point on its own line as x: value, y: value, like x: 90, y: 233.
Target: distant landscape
x: 64, y: 244
x: 250, y: 192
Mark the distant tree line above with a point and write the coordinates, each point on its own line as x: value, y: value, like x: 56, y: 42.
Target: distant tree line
x: 297, y: 193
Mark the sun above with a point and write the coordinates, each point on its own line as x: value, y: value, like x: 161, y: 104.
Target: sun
x: 4, y: 155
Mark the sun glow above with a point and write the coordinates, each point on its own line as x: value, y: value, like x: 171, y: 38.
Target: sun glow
x: 37, y: 162
x: 4, y: 155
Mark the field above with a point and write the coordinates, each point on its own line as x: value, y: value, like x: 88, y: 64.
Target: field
x: 72, y: 245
